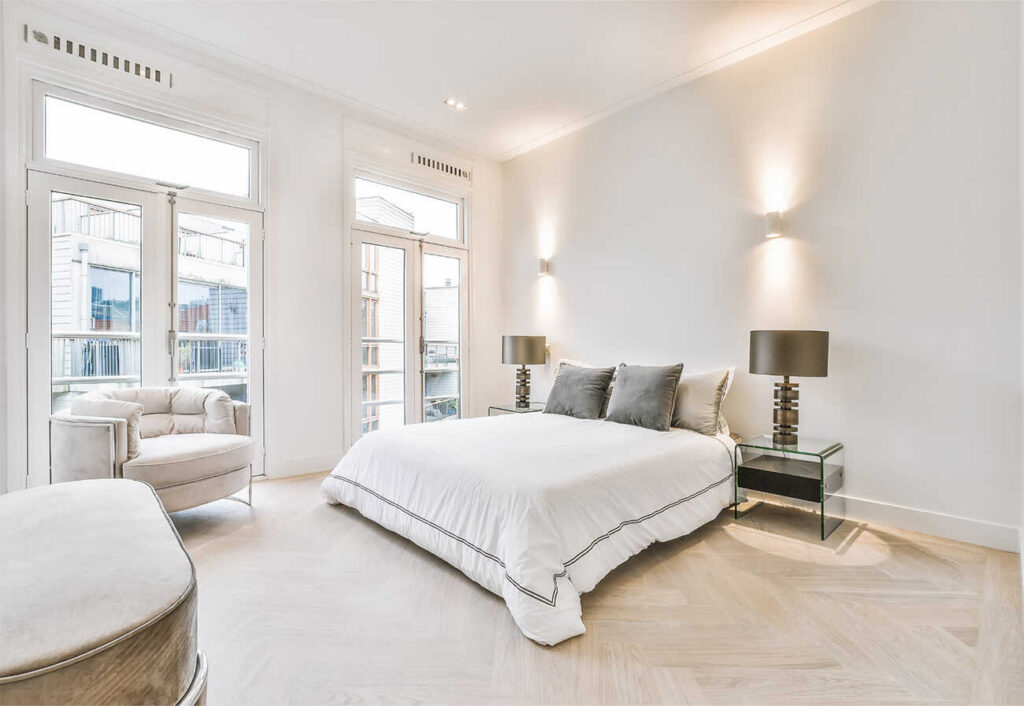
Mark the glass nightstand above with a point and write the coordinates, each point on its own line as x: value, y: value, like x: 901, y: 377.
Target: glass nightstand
x: 512, y: 409
x: 812, y: 471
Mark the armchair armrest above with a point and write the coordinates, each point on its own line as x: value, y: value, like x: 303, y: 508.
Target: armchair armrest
x: 241, y: 417
x: 87, y: 447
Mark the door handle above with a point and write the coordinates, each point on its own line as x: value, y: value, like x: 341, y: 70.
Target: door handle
x: 172, y: 349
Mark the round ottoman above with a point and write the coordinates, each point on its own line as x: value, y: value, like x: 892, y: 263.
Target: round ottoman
x: 98, y: 604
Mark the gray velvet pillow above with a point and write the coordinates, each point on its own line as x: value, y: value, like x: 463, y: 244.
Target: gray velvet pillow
x: 578, y: 392
x: 644, y: 395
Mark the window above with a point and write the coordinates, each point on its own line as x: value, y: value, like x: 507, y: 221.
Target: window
x: 407, y: 210
x: 114, y: 298
x: 102, y: 139
x: 212, y: 308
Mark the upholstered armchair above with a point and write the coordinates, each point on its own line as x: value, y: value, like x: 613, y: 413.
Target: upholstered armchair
x: 192, y: 445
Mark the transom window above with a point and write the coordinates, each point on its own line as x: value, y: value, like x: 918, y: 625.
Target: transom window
x: 99, y: 138
x: 412, y: 211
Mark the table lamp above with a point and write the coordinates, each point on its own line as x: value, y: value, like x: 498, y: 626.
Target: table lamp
x: 788, y: 353
x: 523, y: 351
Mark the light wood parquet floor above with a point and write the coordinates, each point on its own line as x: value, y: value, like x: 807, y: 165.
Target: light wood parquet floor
x: 305, y: 603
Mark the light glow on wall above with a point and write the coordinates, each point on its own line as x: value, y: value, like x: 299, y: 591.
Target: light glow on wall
x: 546, y: 242
x: 776, y: 184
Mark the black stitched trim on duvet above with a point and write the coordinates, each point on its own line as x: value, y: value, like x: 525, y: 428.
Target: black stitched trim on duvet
x: 554, y: 579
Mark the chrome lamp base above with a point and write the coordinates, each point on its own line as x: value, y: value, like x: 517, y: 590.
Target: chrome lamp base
x: 523, y: 387
x: 786, y: 415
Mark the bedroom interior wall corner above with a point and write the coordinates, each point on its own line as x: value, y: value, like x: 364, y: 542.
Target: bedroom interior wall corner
x: 658, y: 217
x: 5, y: 182
x: 1020, y: 197
x: 487, y: 293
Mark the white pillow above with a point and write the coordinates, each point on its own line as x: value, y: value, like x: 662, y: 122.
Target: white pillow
x: 86, y: 406
x: 699, y: 398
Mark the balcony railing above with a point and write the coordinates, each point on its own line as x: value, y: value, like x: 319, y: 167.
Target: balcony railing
x: 212, y: 355
x: 211, y: 248
x: 94, y: 356
x: 75, y: 216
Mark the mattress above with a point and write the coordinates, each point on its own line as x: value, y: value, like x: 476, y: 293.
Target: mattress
x: 537, y: 508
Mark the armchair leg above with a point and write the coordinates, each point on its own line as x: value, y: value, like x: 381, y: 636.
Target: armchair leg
x: 249, y: 501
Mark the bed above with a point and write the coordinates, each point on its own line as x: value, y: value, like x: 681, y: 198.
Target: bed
x: 537, y: 508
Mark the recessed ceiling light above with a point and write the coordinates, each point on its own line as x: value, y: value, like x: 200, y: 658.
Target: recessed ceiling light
x: 460, y: 106
x: 457, y: 105
x: 450, y: 102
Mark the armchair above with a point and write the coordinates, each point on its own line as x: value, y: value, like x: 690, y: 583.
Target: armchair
x: 192, y: 445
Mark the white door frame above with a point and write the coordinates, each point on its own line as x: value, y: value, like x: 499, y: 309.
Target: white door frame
x: 414, y: 249
x: 257, y: 338
x: 462, y: 255
x: 39, y: 247
x: 412, y: 309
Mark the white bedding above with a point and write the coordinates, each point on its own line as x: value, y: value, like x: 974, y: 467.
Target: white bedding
x: 536, y: 507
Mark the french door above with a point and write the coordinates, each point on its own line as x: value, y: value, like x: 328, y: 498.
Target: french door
x: 131, y: 288
x: 411, y: 318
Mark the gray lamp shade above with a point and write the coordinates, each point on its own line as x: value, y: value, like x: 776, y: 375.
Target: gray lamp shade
x: 796, y: 353
x: 524, y: 350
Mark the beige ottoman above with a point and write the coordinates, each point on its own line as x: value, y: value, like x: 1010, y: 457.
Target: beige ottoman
x: 98, y: 599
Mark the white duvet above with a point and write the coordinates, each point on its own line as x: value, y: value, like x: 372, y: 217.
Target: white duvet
x: 536, y: 507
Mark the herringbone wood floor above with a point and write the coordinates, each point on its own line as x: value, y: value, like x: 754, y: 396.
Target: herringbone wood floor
x: 305, y: 603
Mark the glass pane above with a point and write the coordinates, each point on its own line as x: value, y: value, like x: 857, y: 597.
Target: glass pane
x: 833, y: 503
x: 442, y: 358
x: 213, y: 304
x: 408, y: 210
x: 95, y: 296
x: 97, y: 138
x: 383, y: 337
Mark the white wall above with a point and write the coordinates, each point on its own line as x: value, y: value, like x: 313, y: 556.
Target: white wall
x: 890, y: 139
x: 1020, y: 171
x: 306, y: 278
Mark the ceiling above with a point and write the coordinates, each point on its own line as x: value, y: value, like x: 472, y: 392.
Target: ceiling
x: 528, y: 71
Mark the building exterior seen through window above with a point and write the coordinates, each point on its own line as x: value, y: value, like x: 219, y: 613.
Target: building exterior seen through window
x: 96, y: 299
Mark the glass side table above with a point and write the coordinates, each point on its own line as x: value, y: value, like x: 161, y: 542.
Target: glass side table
x: 512, y: 409
x: 812, y: 471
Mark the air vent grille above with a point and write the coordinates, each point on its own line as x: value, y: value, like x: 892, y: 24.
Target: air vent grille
x: 99, y: 57
x: 437, y: 165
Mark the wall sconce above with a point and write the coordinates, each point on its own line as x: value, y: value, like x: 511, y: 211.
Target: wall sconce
x: 544, y: 268
x: 772, y: 224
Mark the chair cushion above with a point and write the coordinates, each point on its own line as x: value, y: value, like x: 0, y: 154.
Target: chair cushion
x: 178, y: 410
x: 174, y: 459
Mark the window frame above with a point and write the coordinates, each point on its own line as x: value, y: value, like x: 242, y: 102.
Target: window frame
x: 40, y: 162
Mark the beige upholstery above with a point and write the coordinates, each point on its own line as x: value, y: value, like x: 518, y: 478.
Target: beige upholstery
x: 83, y: 624
x: 175, y: 459
x: 193, y: 444
x: 177, y: 410
x: 86, y: 406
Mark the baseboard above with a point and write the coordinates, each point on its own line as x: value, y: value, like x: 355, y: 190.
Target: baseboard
x: 287, y: 467
x: 938, y: 524
x: 963, y: 529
